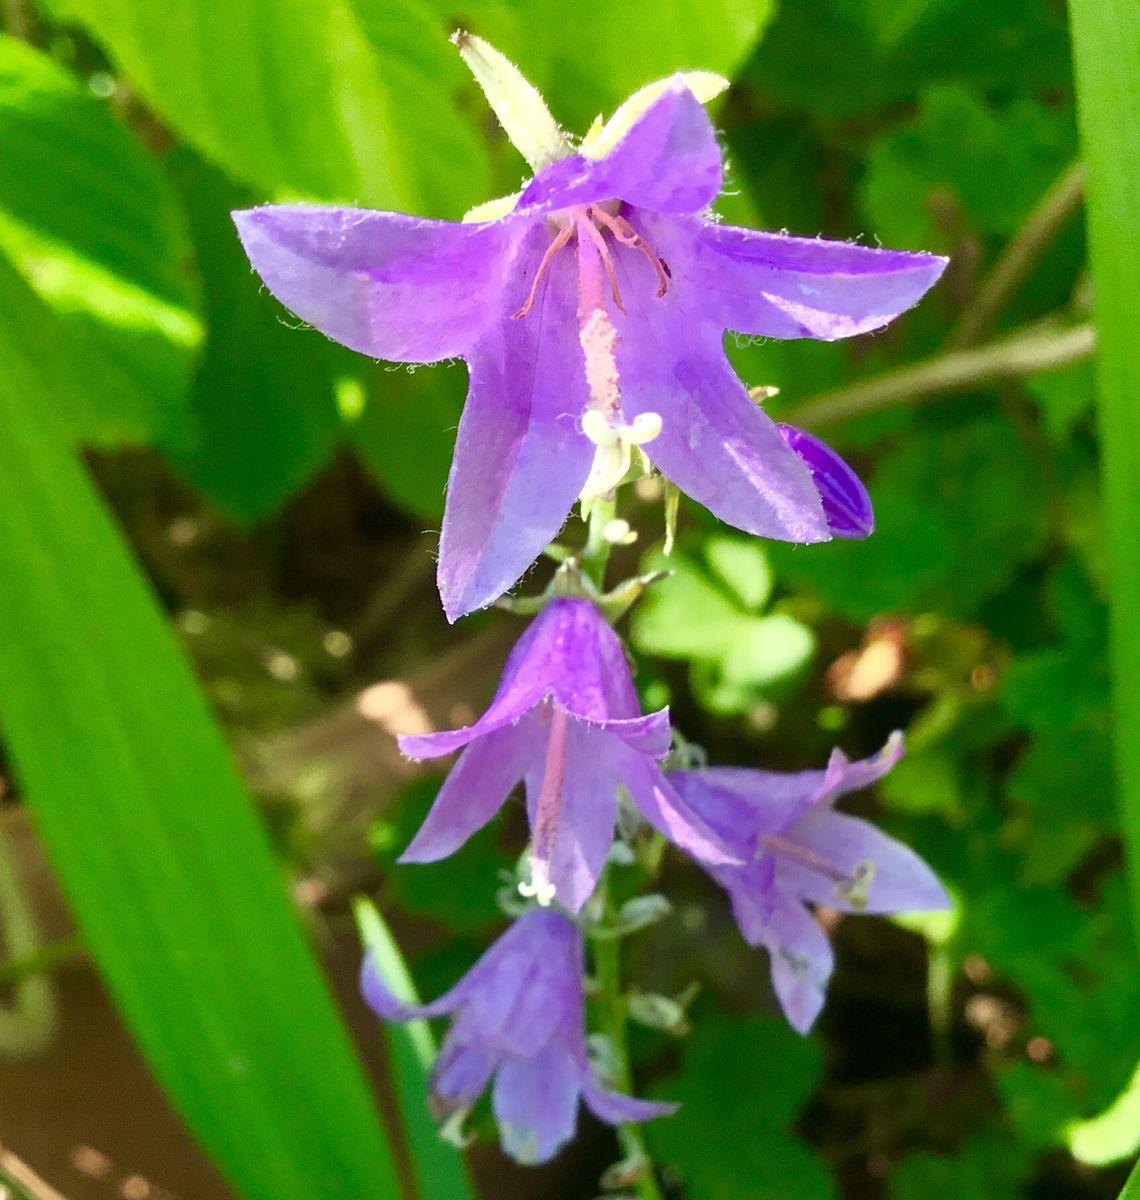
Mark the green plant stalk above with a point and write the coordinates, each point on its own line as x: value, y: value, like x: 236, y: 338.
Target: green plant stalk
x: 28, y: 1025
x: 596, y: 552
x: 1106, y: 50
x: 612, y: 1011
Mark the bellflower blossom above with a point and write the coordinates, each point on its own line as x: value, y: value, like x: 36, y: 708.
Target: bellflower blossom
x: 566, y: 720
x: 518, y: 1015
x: 797, y: 849
x: 591, y: 309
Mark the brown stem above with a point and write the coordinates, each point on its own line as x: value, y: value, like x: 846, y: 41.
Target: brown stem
x: 1019, y: 256
x: 1046, y: 346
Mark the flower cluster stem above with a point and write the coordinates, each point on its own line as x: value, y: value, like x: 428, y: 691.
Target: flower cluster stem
x: 612, y: 1013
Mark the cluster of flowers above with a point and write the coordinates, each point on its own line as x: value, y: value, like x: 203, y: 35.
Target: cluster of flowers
x: 575, y: 359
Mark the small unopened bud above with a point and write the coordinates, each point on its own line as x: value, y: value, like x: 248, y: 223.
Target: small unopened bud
x: 618, y: 532
x: 658, y: 1012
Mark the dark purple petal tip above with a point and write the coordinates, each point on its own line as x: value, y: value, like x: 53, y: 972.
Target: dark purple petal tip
x: 846, y: 503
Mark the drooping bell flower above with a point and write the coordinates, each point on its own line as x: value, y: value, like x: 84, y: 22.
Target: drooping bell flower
x: 591, y: 309
x: 798, y: 850
x: 518, y: 1016
x: 566, y: 721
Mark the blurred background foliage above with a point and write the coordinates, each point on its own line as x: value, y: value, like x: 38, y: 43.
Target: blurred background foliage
x: 281, y: 495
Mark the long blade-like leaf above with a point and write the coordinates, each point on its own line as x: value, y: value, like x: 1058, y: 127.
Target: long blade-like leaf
x: 1106, y: 46
x: 439, y: 1171
x: 151, y: 834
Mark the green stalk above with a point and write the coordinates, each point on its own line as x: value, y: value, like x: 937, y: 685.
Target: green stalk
x: 596, y: 552
x: 612, y: 1010
x: 1106, y: 50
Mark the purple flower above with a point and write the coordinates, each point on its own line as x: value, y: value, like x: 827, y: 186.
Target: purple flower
x: 797, y: 849
x: 519, y: 1016
x: 601, y: 288
x: 566, y: 720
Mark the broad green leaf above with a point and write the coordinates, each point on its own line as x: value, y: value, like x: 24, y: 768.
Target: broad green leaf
x: 406, y: 430
x: 629, y: 45
x: 957, y: 143
x: 346, y: 100
x: 263, y: 406
x: 1112, y: 1134
x: 988, y: 1167
x: 766, y: 650
x: 89, y: 221
x: 686, y: 615
x: 1106, y: 49
x: 740, y: 1088
x: 743, y: 566
x: 831, y: 58
x: 153, y: 837
x: 439, y: 1170
x: 941, y: 540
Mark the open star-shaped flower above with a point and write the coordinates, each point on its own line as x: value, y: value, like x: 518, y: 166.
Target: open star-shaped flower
x: 591, y: 309
x: 797, y: 850
x: 566, y: 720
x: 518, y: 1015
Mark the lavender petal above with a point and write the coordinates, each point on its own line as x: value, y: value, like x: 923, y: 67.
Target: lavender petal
x: 385, y: 284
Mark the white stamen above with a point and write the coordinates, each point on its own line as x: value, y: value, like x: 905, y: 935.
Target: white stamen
x: 614, y: 452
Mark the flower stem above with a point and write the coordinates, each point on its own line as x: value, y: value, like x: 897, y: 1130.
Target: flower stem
x: 596, y: 552
x: 612, y: 1010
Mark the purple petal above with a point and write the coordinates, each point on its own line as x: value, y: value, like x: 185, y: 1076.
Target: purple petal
x: 536, y: 1103
x: 384, y: 1003
x: 474, y: 791
x: 527, y: 987
x: 741, y: 804
x: 788, y: 287
x: 667, y: 812
x: 385, y: 284
x: 616, y: 1108
x: 520, y: 455
x: 901, y: 881
x: 459, y: 1075
x: 586, y: 666
x: 750, y: 888
x: 845, y: 501
x: 587, y: 805
x: 802, y: 962
x: 843, y: 775
x: 669, y: 161
x: 716, y: 444
x: 568, y: 651
x: 651, y: 734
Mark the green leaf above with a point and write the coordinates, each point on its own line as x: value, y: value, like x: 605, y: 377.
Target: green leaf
x: 348, y: 100
x: 989, y: 1166
x: 630, y: 45
x: 94, y: 228
x: 406, y: 432
x: 153, y: 838
x: 686, y: 615
x: 742, y: 1084
x: 263, y: 404
x: 1106, y: 48
x: 766, y: 650
x: 742, y: 564
x: 439, y: 1170
x: 957, y: 143
x: 940, y: 541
